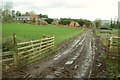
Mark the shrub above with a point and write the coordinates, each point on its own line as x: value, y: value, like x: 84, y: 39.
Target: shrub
x: 49, y: 20
x: 65, y: 21
x: 80, y: 21
x: 7, y: 44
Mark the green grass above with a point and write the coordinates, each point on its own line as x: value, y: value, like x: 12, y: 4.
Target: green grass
x: 112, y: 68
x: 112, y: 65
x: 114, y: 32
x: 26, y: 32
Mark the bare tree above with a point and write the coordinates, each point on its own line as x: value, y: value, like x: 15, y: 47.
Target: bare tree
x: 0, y: 13
x: 13, y: 13
x: 27, y: 14
x: 6, y: 9
x: 7, y: 5
x: 18, y: 13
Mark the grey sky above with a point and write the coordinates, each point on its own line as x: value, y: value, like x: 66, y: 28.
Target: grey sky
x: 87, y: 9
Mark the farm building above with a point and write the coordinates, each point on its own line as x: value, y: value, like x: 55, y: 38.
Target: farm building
x: 55, y: 19
x: 23, y: 18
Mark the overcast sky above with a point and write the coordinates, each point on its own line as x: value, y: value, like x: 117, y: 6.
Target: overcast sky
x: 86, y: 9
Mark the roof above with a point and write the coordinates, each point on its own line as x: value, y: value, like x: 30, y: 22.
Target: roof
x: 23, y: 16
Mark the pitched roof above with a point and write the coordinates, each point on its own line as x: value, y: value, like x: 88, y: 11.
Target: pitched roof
x: 23, y: 17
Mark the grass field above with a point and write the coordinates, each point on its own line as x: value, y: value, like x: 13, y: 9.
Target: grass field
x: 104, y: 36
x: 113, y: 32
x: 27, y: 31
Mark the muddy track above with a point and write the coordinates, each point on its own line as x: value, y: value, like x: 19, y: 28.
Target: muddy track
x: 74, y: 61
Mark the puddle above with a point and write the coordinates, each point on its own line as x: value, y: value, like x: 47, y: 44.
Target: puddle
x: 69, y: 62
x: 50, y: 76
x: 76, y: 66
x: 59, y: 70
x: 73, y: 47
x: 55, y: 73
x: 57, y: 57
x: 88, y: 60
x: 74, y: 57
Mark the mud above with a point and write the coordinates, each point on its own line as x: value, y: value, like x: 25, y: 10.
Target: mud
x: 80, y: 57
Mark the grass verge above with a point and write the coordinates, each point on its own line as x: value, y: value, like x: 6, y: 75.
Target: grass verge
x: 112, y: 65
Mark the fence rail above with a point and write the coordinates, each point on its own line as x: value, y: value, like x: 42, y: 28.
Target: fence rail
x: 25, y: 51
x: 6, y: 54
x: 113, y: 47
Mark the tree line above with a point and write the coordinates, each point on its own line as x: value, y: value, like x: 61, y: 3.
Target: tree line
x: 113, y: 24
x: 67, y: 21
x: 8, y: 15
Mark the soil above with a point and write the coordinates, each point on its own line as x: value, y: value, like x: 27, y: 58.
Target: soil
x: 79, y: 57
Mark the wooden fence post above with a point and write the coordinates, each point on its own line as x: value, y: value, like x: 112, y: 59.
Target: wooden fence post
x: 44, y: 36
x: 108, y: 48
x: 53, y: 40
x: 32, y: 45
x: 32, y: 48
x: 41, y: 45
x: 15, y: 55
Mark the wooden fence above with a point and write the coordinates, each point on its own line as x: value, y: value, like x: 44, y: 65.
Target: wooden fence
x: 113, y: 47
x: 27, y: 52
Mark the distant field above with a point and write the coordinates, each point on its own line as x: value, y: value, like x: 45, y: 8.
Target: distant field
x: 104, y: 35
x: 114, y: 32
x: 27, y: 31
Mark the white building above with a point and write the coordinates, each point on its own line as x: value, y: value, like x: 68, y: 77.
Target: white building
x: 119, y: 11
x: 23, y: 18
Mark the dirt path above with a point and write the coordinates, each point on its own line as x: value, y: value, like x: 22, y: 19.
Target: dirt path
x: 75, y: 58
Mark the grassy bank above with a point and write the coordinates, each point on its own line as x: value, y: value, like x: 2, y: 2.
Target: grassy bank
x: 112, y: 65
